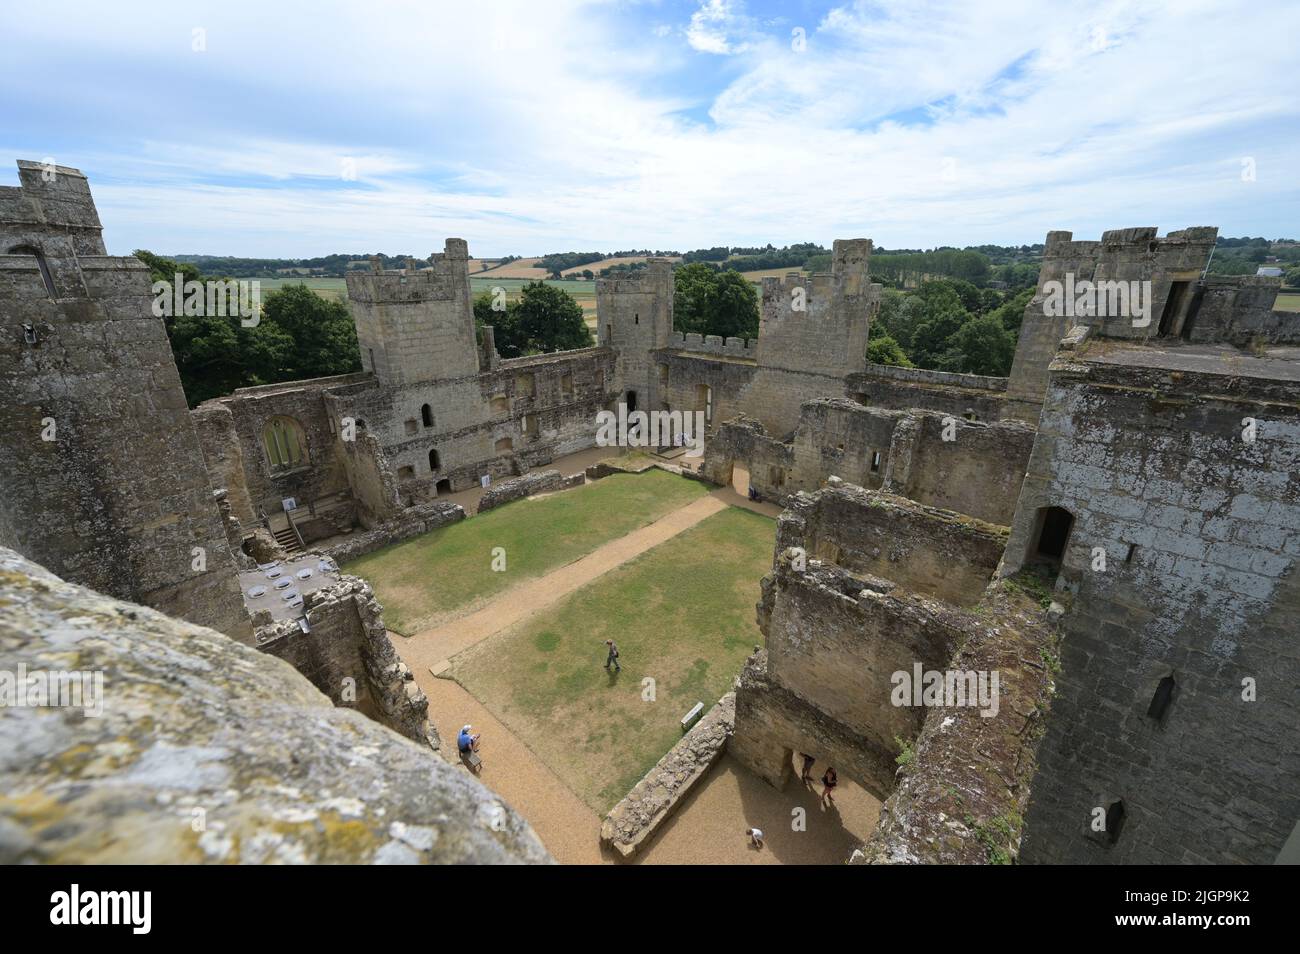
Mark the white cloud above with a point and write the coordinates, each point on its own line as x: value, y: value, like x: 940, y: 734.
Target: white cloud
x: 541, y: 127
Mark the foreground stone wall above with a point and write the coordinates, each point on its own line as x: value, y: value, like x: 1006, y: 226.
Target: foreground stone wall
x: 1201, y: 534
x: 347, y: 654
x: 208, y: 751
x: 961, y: 792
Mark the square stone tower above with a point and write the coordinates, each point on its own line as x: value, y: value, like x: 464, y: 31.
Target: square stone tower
x: 416, y: 325
x: 635, y: 316
x: 103, y: 478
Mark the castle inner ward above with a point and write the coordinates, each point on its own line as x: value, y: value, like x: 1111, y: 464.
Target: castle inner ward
x: 943, y: 520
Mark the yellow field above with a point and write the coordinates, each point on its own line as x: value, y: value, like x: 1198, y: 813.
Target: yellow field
x: 595, y: 267
x: 521, y: 268
x: 1288, y: 302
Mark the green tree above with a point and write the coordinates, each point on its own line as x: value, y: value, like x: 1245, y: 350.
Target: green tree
x: 709, y: 302
x: 508, y: 339
x: 550, y: 319
x: 324, y: 337
x: 980, y: 346
x: 883, y: 349
x: 1012, y: 311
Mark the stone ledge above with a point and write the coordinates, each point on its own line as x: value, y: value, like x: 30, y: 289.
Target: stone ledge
x: 635, y: 819
x: 191, y: 722
x: 517, y: 488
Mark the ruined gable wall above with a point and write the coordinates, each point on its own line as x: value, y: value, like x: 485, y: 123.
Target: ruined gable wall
x: 935, y: 553
x: 322, y: 474
x: 978, y: 472
x: 1154, y: 459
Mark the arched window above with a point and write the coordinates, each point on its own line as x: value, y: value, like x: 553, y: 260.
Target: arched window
x: 40, y: 263
x: 426, y: 414
x: 286, y: 447
x: 434, y: 462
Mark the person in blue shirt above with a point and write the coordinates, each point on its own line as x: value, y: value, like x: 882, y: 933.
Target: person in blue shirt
x: 466, y: 742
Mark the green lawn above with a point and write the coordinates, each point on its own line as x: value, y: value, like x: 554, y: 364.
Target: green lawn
x: 681, y: 613
x: 1288, y: 302
x: 433, y: 578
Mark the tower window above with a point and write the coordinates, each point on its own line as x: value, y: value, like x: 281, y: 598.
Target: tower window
x: 285, y: 443
x: 426, y: 415
x: 1162, y: 700
x: 1114, y: 822
x: 434, y: 461
x: 46, y: 278
x: 875, y: 461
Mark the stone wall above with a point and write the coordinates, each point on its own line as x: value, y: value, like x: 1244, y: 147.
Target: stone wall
x: 103, y: 476
x: 977, y: 472
x: 633, y: 821
x: 346, y: 653
x: 1239, y: 309
x: 537, y: 482
x: 1199, y: 528
x: 410, y: 522
x: 935, y: 553
x: 969, y: 396
x: 196, y: 727
x: 961, y: 796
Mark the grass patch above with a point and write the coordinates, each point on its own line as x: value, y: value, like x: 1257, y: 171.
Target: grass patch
x: 681, y: 613
x: 1287, y: 302
x: 428, y: 580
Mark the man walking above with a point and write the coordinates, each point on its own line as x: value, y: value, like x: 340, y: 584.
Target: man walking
x: 612, y: 658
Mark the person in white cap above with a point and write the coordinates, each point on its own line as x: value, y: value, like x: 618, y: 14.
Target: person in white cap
x: 755, y: 836
x: 466, y: 742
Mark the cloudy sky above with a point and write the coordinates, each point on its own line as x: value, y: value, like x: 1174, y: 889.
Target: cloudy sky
x: 298, y: 129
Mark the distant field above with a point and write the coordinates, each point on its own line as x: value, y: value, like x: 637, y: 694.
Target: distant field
x: 523, y: 268
x: 1288, y: 302
x: 595, y: 267
x: 336, y: 288
x: 325, y: 287
x: 758, y: 276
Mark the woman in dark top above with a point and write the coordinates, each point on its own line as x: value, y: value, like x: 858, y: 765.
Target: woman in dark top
x: 829, y: 781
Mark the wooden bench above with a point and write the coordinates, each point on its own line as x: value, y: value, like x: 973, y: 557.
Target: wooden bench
x: 473, y: 761
x: 696, y: 711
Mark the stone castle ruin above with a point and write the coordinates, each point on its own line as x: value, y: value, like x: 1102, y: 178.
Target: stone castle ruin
x: 1112, y: 530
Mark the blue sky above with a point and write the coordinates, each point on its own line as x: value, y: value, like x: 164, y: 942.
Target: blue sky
x: 298, y: 129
